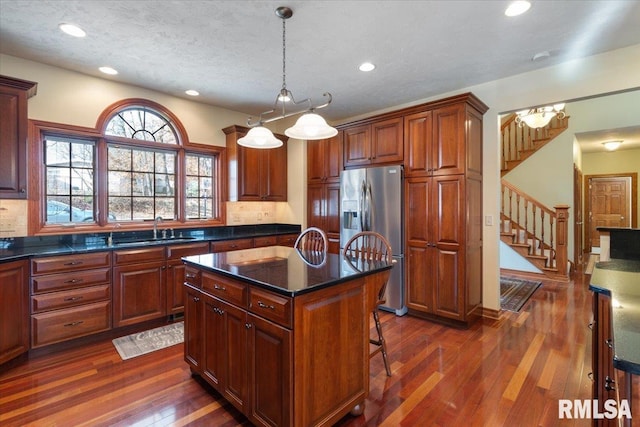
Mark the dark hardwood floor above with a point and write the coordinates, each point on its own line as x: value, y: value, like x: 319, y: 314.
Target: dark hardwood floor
x: 506, y: 372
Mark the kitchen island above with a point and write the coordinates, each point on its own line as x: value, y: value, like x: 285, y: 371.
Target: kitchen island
x: 281, y: 334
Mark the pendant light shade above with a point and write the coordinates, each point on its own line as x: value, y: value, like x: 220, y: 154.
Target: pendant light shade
x: 259, y: 137
x: 311, y: 126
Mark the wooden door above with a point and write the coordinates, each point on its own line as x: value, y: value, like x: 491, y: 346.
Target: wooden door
x: 213, y: 341
x: 14, y: 309
x: 609, y: 204
x: 273, y: 174
x: 193, y: 328
x: 249, y: 174
x: 578, y: 252
x: 357, y: 146
x: 234, y: 375
x: 386, y: 141
x: 324, y: 159
x: 448, y: 140
x: 316, y: 207
x: 270, y: 373
x: 418, y: 134
x: 138, y: 293
x: 333, y: 156
x: 448, y: 219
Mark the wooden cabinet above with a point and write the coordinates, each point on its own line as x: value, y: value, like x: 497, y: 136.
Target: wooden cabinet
x: 443, y: 210
x: 604, y: 381
x: 287, y: 239
x: 176, y: 273
x: 324, y: 164
x: 231, y: 245
x: 233, y: 342
x: 139, y: 285
x: 255, y: 174
x: 13, y: 136
x: 379, y: 142
x: 14, y: 309
x: 70, y: 297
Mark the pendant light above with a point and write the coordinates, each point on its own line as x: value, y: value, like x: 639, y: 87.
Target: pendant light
x: 309, y: 126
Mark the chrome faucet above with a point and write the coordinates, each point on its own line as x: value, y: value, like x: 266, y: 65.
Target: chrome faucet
x: 155, y: 226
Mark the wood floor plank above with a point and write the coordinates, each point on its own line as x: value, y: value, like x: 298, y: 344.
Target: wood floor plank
x: 500, y: 372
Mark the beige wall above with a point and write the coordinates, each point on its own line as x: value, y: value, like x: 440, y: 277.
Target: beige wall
x: 596, y: 75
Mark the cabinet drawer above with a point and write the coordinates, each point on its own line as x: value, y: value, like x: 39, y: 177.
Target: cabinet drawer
x: 231, y: 245
x: 270, y: 306
x: 193, y: 277
x: 178, y: 251
x: 287, y: 239
x: 65, y: 299
x: 66, y: 281
x: 59, y: 264
x: 60, y: 325
x: 259, y: 242
x: 138, y: 255
x: 226, y: 289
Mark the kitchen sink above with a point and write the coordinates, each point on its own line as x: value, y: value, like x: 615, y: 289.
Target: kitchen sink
x: 152, y: 241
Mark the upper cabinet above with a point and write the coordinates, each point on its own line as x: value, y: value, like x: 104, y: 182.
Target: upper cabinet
x: 324, y: 160
x: 13, y: 136
x: 255, y: 174
x: 378, y: 142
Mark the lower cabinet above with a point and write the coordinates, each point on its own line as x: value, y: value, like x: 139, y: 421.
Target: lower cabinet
x: 176, y: 273
x: 14, y: 309
x: 139, y: 285
x: 604, y: 386
x: 243, y: 356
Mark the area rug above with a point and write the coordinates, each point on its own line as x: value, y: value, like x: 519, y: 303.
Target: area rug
x: 145, y: 342
x: 514, y: 292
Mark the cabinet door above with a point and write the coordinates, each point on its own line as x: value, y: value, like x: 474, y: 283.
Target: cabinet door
x: 270, y: 373
x: 13, y: 136
x: 419, y: 268
x: 273, y: 174
x: 449, y: 140
x: 175, y: 279
x: 357, y: 146
x: 213, y: 335
x: 316, y: 205
x: 333, y: 158
x: 138, y: 293
x: 448, y: 237
x: 386, y: 141
x: 316, y: 161
x: 234, y: 375
x: 14, y: 309
x: 332, y: 216
x: 418, y: 136
x: 193, y: 328
x: 250, y: 186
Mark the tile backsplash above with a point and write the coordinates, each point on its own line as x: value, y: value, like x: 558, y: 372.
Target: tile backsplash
x: 243, y: 213
x: 13, y: 218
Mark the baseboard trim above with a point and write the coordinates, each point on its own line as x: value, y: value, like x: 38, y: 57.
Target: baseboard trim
x: 518, y: 273
x: 490, y: 313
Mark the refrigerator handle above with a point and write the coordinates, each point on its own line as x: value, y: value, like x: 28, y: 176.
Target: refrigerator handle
x: 369, y: 207
x: 363, y: 205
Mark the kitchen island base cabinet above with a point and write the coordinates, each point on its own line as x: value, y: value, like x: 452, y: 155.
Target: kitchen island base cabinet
x: 14, y: 309
x: 282, y: 359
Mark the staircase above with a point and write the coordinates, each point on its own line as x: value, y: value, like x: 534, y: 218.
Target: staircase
x: 538, y: 233
x: 519, y: 143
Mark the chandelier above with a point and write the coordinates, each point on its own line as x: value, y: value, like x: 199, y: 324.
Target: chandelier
x: 539, y: 117
x: 309, y: 126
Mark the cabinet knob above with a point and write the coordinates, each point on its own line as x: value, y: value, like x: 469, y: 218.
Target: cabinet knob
x: 247, y: 325
x: 607, y: 383
x: 196, y: 299
x: 22, y: 190
x: 79, y: 322
x: 609, y: 343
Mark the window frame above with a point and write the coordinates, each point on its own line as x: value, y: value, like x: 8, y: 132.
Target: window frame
x: 40, y: 130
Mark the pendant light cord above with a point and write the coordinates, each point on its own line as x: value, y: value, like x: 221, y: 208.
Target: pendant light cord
x: 284, y: 54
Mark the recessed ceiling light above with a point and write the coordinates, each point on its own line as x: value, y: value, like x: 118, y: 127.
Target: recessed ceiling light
x: 72, y: 30
x: 192, y: 92
x: 517, y: 8
x: 108, y: 70
x: 366, y: 66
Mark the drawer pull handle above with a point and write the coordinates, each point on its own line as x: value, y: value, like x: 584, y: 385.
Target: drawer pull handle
x: 73, y: 263
x: 75, y: 281
x: 263, y: 305
x: 190, y: 276
x: 79, y: 322
x: 73, y: 298
x: 218, y: 287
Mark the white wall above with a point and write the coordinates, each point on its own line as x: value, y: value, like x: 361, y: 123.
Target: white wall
x: 595, y: 75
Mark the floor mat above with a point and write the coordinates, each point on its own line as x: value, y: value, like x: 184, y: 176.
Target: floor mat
x: 515, y: 292
x: 145, y: 342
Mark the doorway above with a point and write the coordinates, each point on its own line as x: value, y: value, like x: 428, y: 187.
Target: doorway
x: 610, y: 202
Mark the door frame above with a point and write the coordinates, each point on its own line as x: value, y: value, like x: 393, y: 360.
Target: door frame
x: 578, y: 224
x: 587, y: 201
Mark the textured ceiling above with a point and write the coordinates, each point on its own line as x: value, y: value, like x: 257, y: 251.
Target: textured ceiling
x: 231, y: 51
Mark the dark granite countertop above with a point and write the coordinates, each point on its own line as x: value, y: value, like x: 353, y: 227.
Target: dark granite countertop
x: 620, y: 279
x: 25, y: 247
x: 283, y: 269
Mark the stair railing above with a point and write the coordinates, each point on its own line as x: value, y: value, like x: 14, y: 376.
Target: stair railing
x: 545, y: 230
x: 518, y: 140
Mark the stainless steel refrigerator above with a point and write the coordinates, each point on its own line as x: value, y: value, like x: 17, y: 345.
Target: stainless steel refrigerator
x: 371, y: 199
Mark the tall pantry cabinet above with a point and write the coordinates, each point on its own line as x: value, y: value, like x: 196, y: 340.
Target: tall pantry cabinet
x: 443, y: 209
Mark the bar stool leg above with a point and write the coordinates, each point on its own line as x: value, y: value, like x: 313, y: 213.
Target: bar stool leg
x: 381, y: 342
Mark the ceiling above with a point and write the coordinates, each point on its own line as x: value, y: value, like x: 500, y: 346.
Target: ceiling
x: 231, y: 51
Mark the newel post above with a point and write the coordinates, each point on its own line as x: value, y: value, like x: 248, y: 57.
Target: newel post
x: 562, y: 232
